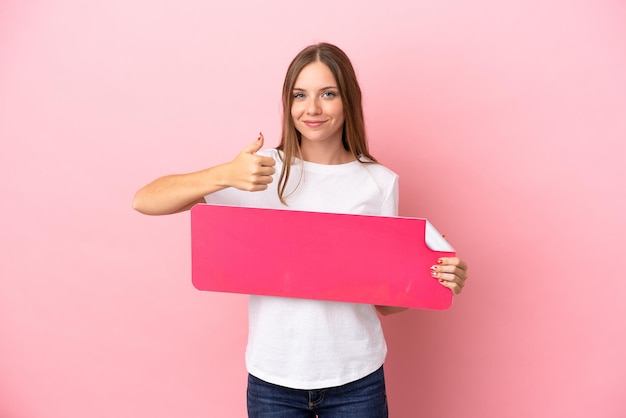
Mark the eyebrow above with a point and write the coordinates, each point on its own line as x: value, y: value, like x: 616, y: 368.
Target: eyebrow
x: 323, y: 88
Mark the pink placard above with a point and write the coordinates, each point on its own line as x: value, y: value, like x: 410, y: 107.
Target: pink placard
x: 351, y: 258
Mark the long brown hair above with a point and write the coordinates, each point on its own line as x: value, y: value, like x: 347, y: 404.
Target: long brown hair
x: 353, y: 136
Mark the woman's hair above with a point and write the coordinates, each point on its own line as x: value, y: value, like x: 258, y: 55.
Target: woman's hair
x: 353, y: 135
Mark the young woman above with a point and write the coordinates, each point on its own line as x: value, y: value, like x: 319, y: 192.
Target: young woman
x: 308, y: 357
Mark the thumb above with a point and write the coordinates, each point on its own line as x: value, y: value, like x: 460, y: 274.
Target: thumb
x: 255, y: 146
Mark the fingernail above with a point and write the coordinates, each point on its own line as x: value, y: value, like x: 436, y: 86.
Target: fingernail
x: 441, y: 280
x: 439, y: 261
x: 433, y: 273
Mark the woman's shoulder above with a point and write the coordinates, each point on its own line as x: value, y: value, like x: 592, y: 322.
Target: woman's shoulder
x: 378, y: 169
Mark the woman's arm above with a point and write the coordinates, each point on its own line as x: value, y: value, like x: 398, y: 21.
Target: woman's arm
x: 179, y: 192
x: 388, y: 310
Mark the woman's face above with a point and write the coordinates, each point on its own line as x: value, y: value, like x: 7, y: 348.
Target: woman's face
x: 317, y: 110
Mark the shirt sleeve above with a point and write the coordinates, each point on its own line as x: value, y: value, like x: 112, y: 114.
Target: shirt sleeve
x: 390, y: 202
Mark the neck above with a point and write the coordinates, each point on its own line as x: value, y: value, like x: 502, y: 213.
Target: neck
x: 323, y: 153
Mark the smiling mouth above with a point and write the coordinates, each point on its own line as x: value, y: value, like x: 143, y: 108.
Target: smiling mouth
x: 313, y: 123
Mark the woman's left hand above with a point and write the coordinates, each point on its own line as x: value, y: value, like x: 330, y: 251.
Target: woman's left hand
x: 451, y: 272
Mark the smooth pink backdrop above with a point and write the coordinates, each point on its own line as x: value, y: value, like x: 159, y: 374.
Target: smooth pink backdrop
x: 505, y: 120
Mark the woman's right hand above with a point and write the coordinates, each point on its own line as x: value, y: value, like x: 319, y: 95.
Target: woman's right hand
x: 249, y: 171
x: 179, y: 192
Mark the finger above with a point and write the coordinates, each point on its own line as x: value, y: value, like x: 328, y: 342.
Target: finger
x: 259, y: 169
x: 450, y: 281
x: 450, y: 278
x: 255, y: 146
x: 452, y: 285
x: 452, y: 270
x: 454, y: 261
x: 455, y: 287
x: 265, y: 161
x: 257, y: 188
x: 265, y: 171
x: 453, y: 277
x: 263, y: 180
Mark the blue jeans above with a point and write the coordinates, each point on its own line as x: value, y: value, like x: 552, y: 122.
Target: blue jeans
x: 364, y: 398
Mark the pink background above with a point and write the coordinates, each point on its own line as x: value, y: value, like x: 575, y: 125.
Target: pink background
x: 505, y: 120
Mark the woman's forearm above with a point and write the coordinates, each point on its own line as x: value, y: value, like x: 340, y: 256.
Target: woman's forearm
x: 178, y: 192
x: 388, y: 310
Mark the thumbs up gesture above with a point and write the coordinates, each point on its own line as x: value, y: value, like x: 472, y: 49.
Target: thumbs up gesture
x: 249, y: 171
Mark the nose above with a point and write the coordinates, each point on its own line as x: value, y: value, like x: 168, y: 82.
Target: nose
x: 313, y: 107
